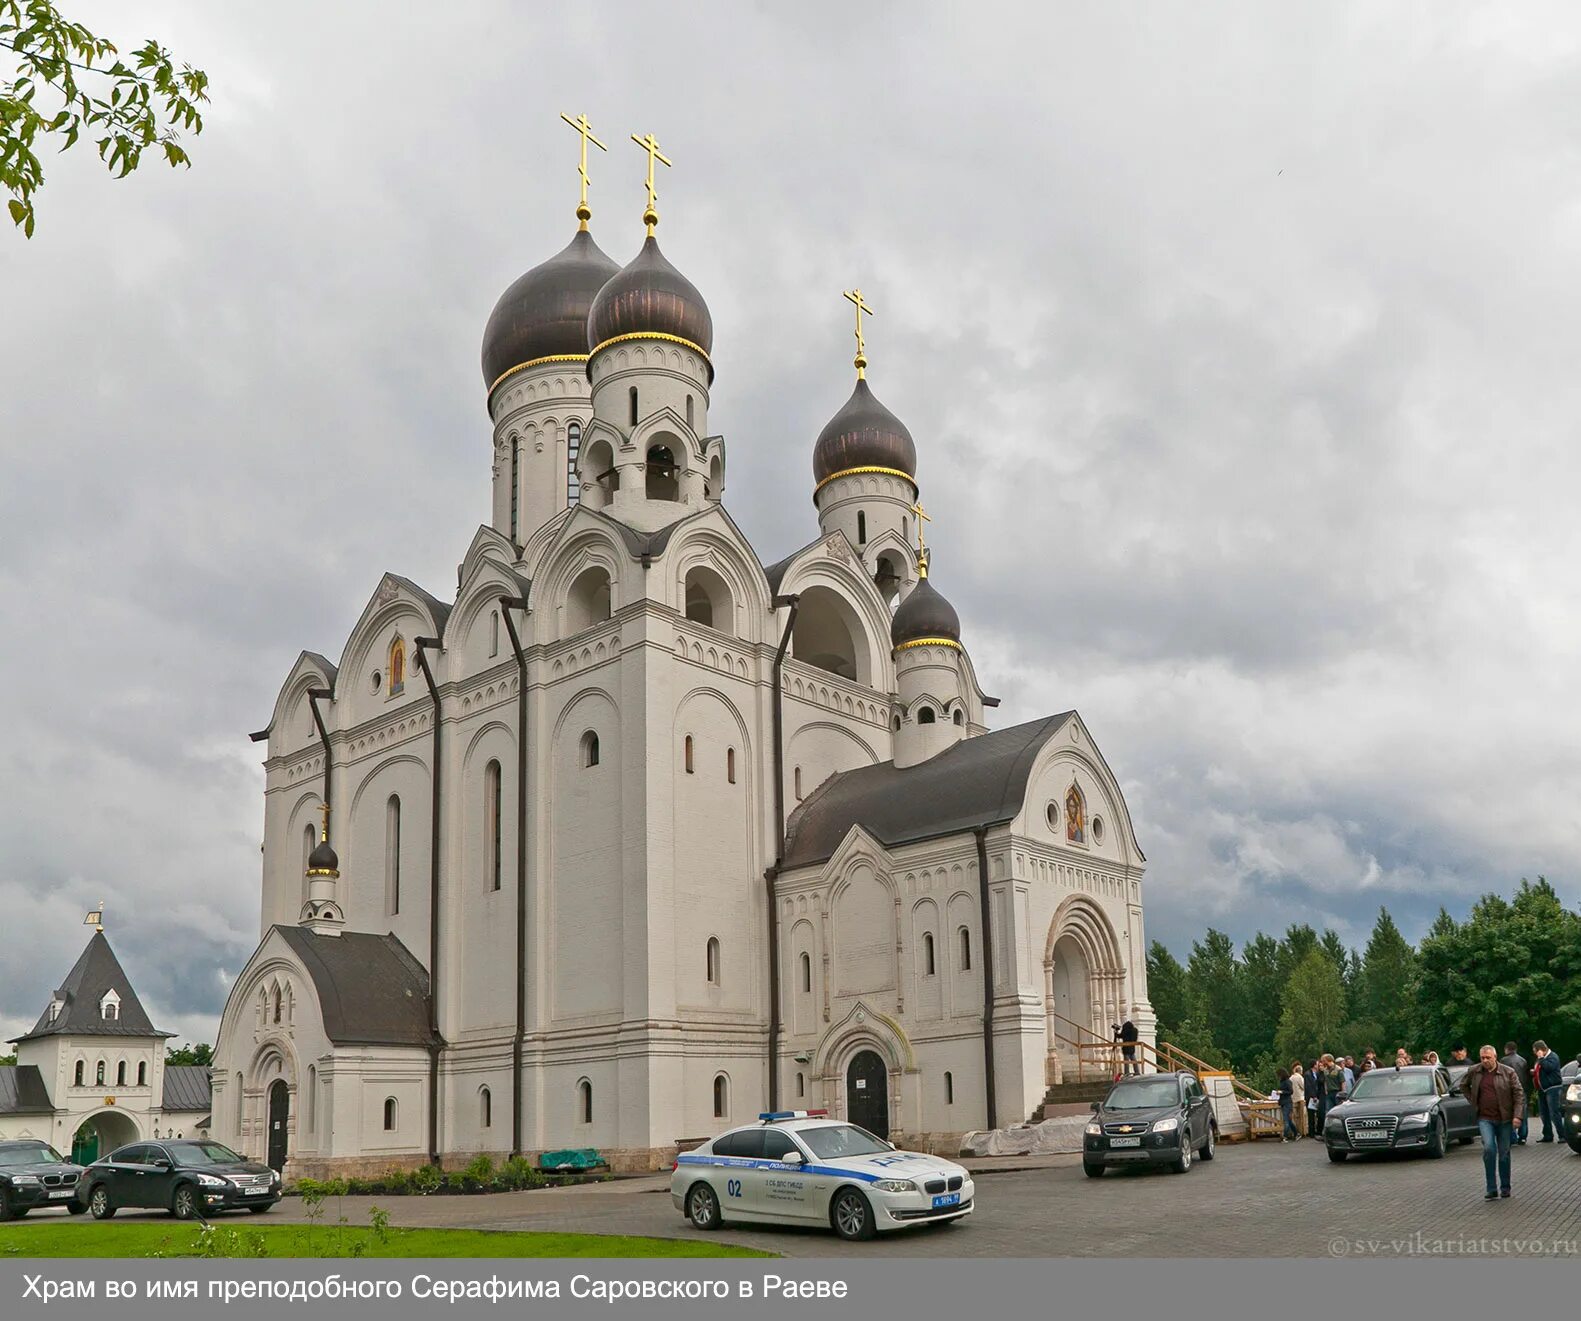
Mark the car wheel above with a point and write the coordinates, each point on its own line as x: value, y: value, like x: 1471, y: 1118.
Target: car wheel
x: 6, y: 1210
x: 259, y: 1210
x: 1470, y: 1138
x: 1437, y: 1143
x: 1092, y: 1171
x: 1183, y: 1161
x: 100, y: 1204
x: 702, y: 1207
x: 1211, y: 1145
x: 852, y: 1216
x: 75, y: 1208
x: 1338, y: 1157
x: 184, y: 1205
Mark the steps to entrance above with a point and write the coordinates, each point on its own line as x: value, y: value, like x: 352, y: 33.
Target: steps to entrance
x: 1067, y: 1098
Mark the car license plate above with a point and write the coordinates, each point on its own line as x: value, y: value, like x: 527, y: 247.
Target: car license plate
x: 947, y: 1199
x: 254, y: 1192
x: 62, y: 1193
x: 1125, y: 1142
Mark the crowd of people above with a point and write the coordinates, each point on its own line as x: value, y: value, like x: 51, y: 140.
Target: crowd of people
x: 1497, y: 1086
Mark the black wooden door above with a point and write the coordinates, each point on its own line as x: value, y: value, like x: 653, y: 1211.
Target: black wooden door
x: 279, y: 1112
x: 867, y: 1093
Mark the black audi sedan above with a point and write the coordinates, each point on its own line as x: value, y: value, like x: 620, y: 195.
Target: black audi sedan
x: 1399, y: 1109
x: 1150, y: 1119
x: 34, y: 1174
x: 190, y: 1179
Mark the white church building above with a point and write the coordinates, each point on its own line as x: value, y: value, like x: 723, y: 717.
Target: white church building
x: 633, y: 836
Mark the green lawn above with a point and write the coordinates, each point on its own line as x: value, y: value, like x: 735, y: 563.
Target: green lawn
x: 88, y: 1238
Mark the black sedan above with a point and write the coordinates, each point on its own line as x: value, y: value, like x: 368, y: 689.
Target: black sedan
x: 1400, y: 1109
x: 1151, y: 1119
x: 34, y: 1174
x: 190, y: 1179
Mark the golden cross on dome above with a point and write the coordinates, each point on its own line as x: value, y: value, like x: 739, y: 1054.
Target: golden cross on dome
x: 923, y: 517
x: 585, y: 130
x: 324, y: 808
x: 650, y: 144
x: 854, y: 296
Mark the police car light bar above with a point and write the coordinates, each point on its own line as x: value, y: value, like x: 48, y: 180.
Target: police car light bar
x: 769, y: 1116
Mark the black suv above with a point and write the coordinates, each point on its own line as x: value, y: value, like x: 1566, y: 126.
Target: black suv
x: 34, y: 1174
x: 1151, y: 1119
x: 190, y: 1179
x: 1398, y: 1109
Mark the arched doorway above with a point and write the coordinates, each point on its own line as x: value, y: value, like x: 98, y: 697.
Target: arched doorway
x: 100, y: 1135
x: 279, y: 1113
x: 1072, y: 993
x: 867, y: 1092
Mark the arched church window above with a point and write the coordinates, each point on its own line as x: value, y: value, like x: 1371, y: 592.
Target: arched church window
x: 516, y: 488
x: 963, y: 942
x: 491, y: 822
x: 796, y: 780
x: 801, y: 1084
x: 397, y: 667
x: 494, y: 633
x: 730, y: 765
x: 633, y: 405
x: 142, y: 1073
x: 925, y: 716
x: 927, y: 954
x: 829, y: 635
x: 389, y: 1114
x: 806, y: 972
x: 861, y: 528
x: 573, y: 449
x: 392, y: 855
x: 120, y: 1073
x: 584, y: 1100
x: 1075, y: 816
x: 76, y: 1080
x: 949, y: 1088
x: 485, y: 1107
x: 98, y: 1074
x: 689, y: 754
x: 588, y: 601
x: 239, y: 1099
x: 709, y: 601
x: 689, y: 422
x: 721, y: 1096
x: 959, y: 717
x: 664, y: 478
x: 109, y: 1011
x: 905, y: 529
x: 897, y: 724
x: 711, y: 957
x: 309, y: 840
x: 589, y: 749
x: 277, y: 1004
x: 312, y: 1096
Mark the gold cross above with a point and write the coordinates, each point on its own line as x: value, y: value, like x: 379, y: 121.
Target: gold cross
x: 854, y: 296
x: 650, y: 144
x: 324, y: 808
x: 585, y: 130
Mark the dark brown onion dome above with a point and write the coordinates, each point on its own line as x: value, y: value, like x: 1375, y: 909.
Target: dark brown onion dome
x: 322, y: 861
x: 863, y: 434
x: 544, y: 313
x: 650, y: 297
x: 924, y: 614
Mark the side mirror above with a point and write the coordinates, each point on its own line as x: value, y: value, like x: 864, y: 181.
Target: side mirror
x: 791, y: 1158
x: 161, y: 1163
x: 1097, y: 1106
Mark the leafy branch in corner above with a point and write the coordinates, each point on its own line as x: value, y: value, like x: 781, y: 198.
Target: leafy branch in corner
x: 140, y: 102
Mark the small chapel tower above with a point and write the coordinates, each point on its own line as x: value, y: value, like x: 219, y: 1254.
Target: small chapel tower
x: 322, y: 912
x: 932, y: 709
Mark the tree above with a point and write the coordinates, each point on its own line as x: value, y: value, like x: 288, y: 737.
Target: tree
x: 1167, y: 989
x: 1314, y: 1009
x: 1259, y: 999
x: 1300, y: 940
x: 142, y: 102
x: 1384, y: 987
x: 7, y: 1059
x: 1212, y: 975
x: 189, y: 1054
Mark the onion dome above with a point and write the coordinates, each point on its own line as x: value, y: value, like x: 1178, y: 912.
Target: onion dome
x: 322, y: 861
x: 925, y: 616
x: 544, y: 313
x: 864, y: 435
x: 650, y: 297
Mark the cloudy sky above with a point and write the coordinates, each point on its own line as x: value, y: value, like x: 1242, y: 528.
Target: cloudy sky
x: 1239, y: 349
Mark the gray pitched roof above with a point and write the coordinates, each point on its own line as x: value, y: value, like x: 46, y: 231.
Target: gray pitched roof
x: 187, y: 1087
x: 94, y: 973
x: 979, y: 781
x: 372, y: 990
x: 436, y: 607
x: 22, y: 1091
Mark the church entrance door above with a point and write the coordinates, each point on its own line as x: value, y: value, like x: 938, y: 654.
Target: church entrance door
x: 867, y: 1093
x: 279, y: 1112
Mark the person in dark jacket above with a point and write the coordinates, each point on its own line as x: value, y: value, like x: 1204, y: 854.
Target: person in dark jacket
x: 1128, y: 1039
x: 1513, y: 1059
x: 1314, y: 1102
x: 1550, y: 1085
x: 1285, y: 1100
x: 1499, y: 1096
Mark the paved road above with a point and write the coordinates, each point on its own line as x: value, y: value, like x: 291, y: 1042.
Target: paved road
x: 1258, y: 1200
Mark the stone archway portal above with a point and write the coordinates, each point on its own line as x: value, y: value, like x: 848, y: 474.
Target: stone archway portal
x: 867, y: 1093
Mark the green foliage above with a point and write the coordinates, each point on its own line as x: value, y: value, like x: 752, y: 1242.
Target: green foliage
x: 1314, y: 1009
x: 480, y: 1175
x: 480, y: 1169
x: 1198, y: 1041
x: 427, y: 1180
x: 1211, y: 978
x: 1383, y: 992
x: 1166, y: 986
x: 140, y: 102
x: 7, y: 1059
x: 202, y: 1054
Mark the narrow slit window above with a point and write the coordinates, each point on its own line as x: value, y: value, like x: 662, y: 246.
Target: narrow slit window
x: 688, y: 754
x: 806, y: 972
x: 491, y: 823
x: 730, y: 765
x: 634, y: 405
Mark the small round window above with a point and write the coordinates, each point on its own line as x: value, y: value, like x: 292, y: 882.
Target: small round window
x: 1097, y: 830
x: 375, y: 681
x: 1052, y: 813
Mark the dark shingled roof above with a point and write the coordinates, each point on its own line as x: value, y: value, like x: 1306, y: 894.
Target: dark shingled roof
x: 979, y: 781
x: 94, y: 973
x: 22, y: 1091
x: 373, y: 992
x: 187, y: 1087
x: 436, y: 607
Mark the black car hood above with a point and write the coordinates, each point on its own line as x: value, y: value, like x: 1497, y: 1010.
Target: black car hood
x: 1385, y: 1105
x: 42, y: 1168
x: 235, y: 1167
x: 1145, y: 1118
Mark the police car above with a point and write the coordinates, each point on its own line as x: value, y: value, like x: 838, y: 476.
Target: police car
x: 799, y: 1167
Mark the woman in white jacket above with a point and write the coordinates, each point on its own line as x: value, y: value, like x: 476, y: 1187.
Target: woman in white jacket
x: 1298, y: 1097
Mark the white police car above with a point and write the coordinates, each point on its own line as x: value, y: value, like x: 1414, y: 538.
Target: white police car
x: 798, y: 1167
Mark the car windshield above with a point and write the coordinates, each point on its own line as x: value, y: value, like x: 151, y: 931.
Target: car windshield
x: 1382, y: 1083
x: 1143, y: 1094
x: 29, y: 1153
x: 839, y: 1140
x: 203, y: 1153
